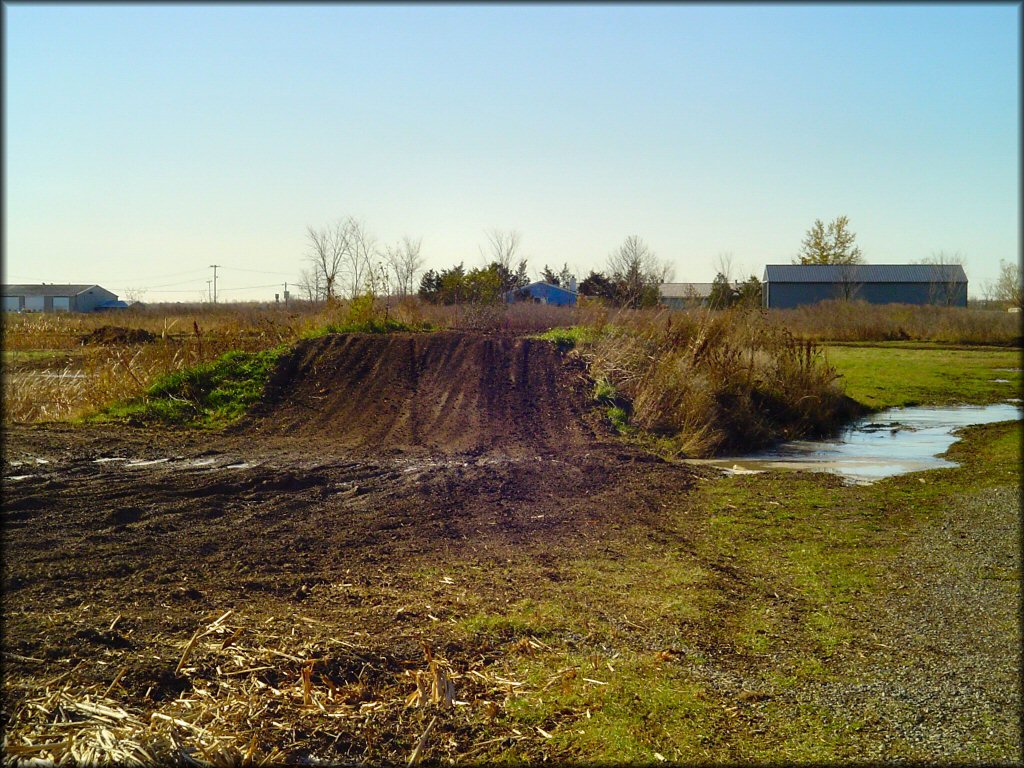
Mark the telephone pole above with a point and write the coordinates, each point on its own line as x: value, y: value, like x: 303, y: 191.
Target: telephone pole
x: 215, y: 282
x: 209, y: 293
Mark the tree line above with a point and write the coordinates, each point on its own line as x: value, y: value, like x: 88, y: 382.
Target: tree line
x: 345, y: 261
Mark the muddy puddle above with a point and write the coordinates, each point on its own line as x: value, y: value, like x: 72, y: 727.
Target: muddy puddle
x: 884, y: 444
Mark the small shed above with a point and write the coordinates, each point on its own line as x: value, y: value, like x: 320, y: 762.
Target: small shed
x: 541, y: 292
x: 793, y: 285
x: 55, y: 297
x: 682, y: 295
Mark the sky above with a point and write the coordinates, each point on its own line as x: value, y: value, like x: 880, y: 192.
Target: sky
x: 144, y: 143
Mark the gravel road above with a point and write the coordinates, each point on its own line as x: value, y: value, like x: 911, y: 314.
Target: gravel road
x: 939, y: 680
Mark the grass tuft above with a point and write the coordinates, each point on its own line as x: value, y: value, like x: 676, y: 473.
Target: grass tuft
x: 208, y: 395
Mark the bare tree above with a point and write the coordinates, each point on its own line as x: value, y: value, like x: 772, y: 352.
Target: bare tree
x: 503, y: 247
x: 945, y: 287
x: 328, y: 248
x: 405, y: 263
x: 311, y: 285
x: 637, y: 273
x: 359, y: 255
x: 134, y: 295
x: 848, y: 286
x: 724, y: 266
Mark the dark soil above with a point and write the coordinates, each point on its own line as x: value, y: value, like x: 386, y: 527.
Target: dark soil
x: 427, y: 393
x: 111, y: 335
x: 371, y: 459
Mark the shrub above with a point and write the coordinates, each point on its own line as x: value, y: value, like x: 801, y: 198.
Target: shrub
x: 701, y: 383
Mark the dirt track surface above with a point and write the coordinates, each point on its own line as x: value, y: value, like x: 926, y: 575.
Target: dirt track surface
x: 435, y: 393
x: 371, y: 461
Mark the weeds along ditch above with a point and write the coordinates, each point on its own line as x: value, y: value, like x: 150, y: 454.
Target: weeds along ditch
x: 697, y: 383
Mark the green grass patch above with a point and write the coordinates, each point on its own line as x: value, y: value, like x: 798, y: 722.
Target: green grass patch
x: 566, y: 339
x: 889, y: 375
x: 208, y: 395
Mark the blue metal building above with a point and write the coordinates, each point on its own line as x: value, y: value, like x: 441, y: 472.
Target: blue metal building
x: 543, y: 293
x: 793, y: 285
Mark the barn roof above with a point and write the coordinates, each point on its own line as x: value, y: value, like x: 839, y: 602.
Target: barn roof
x: 549, y: 285
x: 48, y: 289
x: 865, y: 273
x: 685, y: 290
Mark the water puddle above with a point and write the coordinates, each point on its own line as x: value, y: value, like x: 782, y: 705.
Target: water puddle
x: 109, y: 458
x: 884, y: 444
x: 145, y: 463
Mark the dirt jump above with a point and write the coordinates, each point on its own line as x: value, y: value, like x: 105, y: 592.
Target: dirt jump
x: 370, y: 460
x: 436, y: 393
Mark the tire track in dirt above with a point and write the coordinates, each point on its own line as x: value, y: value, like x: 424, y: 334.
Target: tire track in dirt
x: 439, y: 392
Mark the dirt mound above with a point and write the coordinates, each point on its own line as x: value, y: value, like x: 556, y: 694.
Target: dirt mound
x: 115, y: 334
x: 439, y: 392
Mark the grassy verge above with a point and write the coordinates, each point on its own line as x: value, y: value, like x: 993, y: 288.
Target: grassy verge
x: 208, y: 395
x: 888, y: 376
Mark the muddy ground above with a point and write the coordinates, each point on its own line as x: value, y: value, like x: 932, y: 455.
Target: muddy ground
x: 276, y: 590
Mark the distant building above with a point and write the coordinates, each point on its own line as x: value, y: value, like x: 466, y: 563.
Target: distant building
x: 794, y: 285
x: 51, y: 297
x: 544, y: 293
x: 683, y: 295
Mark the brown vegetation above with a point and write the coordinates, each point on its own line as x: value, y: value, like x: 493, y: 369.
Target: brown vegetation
x: 711, y: 381
x: 860, y: 321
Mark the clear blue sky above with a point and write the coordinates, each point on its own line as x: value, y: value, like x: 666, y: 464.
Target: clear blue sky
x: 144, y: 143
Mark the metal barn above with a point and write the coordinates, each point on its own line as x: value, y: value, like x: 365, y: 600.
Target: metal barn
x: 51, y: 297
x: 793, y: 285
x: 682, y: 295
x: 541, y: 292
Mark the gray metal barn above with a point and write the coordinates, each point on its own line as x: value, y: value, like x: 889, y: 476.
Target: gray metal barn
x: 793, y: 285
x: 682, y: 295
x: 52, y: 297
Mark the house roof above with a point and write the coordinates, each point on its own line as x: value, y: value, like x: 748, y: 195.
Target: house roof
x: 685, y: 290
x: 549, y: 285
x: 49, y: 289
x: 865, y: 273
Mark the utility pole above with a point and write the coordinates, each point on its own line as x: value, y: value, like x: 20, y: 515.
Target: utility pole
x: 215, y: 282
x: 209, y: 294
x: 286, y: 295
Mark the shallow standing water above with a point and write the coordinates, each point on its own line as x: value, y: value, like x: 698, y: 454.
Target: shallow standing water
x: 884, y: 444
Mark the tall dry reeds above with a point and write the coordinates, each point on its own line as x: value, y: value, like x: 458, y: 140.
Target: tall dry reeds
x: 707, y: 381
x: 860, y: 321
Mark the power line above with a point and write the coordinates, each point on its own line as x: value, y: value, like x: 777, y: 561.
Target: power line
x: 247, y: 287
x: 260, y: 271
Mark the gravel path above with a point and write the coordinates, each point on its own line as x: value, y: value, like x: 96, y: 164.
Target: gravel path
x: 940, y: 677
